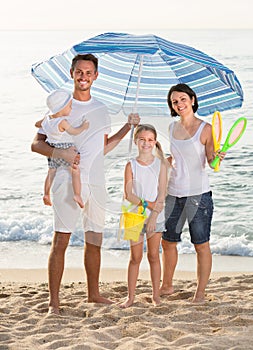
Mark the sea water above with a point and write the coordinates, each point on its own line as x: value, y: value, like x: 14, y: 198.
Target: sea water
x: 26, y: 224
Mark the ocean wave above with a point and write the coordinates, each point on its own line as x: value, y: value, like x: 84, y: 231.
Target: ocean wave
x: 41, y: 231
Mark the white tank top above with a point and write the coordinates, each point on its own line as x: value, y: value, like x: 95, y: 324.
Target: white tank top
x: 146, y: 181
x: 188, y: 176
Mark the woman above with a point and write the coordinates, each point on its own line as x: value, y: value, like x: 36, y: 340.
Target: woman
x: 189, y: 196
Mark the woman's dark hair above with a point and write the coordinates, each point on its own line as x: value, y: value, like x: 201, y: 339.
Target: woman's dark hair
x: 182, y: 88
x: 85, y: 57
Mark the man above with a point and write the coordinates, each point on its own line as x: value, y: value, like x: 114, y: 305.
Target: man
x: 92, y: 145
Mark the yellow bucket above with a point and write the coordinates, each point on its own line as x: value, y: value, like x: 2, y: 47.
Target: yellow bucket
x: 133, y: 225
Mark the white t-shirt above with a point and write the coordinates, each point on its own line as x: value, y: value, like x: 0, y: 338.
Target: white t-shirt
x: 90, y: 143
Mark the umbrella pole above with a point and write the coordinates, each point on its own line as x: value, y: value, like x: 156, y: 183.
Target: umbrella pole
x: 135, y: 104
x: 131, y: 135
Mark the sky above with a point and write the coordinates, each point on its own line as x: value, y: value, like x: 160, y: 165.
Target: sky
x: 125, y: 15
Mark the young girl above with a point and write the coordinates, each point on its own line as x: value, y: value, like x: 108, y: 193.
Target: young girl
x: 146, y: 179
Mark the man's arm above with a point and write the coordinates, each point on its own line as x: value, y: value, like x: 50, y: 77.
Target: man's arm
x: 40, y: 146
x: 111, y: 142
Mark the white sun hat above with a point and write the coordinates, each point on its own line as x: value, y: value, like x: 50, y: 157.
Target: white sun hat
x: 57, y: 100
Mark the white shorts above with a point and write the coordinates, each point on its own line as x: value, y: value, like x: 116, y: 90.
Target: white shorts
x: 67, y: 211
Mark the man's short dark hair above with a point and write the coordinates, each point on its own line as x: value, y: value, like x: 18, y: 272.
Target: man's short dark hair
x: 84, y: 57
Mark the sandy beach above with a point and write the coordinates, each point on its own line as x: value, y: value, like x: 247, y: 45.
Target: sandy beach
x: 225, y: 321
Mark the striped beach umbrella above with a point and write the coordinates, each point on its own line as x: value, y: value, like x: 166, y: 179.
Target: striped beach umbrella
x: 137, y: 71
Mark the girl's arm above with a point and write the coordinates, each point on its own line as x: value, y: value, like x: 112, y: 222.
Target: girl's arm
x: 128, y: 185
x: 65, y: 126
x: 162, y: 185
x: 159, y: 203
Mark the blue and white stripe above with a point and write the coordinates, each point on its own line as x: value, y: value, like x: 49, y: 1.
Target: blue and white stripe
x: 164, y: 64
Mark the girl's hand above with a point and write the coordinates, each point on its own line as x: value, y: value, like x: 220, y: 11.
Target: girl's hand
x: 151, y: 223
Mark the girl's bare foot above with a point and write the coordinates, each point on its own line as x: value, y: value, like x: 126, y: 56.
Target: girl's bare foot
x: 166, y: 290
x: 47, y: 200
x: 127, y: 303
x: 79, y: 200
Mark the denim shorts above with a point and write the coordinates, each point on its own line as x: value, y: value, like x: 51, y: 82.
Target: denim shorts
x: 197, y: 210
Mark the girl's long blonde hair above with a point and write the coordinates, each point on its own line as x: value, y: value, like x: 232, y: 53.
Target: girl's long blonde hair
x: 149, y: 127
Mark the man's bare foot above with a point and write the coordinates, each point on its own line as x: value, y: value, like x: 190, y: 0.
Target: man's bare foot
x: 156, y: 301
x: 127, y: 303
x: 100, y: 299
x: 166, y: 290
x: 47, y: 200
x: 79, y: 200
x: 53, y: 311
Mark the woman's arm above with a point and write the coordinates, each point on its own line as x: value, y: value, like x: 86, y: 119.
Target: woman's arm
x: 207, y: 140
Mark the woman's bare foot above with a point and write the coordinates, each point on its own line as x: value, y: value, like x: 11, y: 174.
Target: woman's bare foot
x: 47, y: 200
x: 79, y: 200
x: 127, y: 303
x: 166, y: 290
